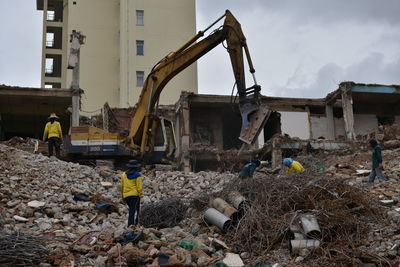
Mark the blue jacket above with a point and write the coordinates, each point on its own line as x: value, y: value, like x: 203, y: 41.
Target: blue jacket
x: 248, y: 170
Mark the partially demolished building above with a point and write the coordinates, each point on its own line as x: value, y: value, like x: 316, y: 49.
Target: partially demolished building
x: 208, y: 124
x: 206, y: 127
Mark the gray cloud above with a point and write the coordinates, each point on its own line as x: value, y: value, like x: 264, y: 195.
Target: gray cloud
x: 313, y: 11
x: 372, y: 69
x: 21, y: 40
x: 306, y: 48
x: 299, y: 48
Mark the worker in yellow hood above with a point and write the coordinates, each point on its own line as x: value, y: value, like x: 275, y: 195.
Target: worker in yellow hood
x: 132, y: 190
x: 53, y: 134
x: 293, y: 165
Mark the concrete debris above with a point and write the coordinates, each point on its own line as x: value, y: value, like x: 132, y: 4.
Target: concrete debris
x: 233, y: 260
x: 106, y: 184
x: 20, y: 219
x: 36, y: 204
x: 328, y: 214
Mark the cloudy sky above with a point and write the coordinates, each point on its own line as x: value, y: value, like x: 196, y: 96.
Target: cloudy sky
x: 300, y: 48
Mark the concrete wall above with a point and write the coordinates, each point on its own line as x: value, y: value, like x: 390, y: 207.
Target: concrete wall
x: 167, y: 26
x: 98, y: 20
x: 295, y: 124
x: 365, y: 123
x: 339, y: 127
x: 318, y: 127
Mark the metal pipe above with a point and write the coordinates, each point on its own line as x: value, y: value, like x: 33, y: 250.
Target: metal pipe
x: 216, y: 218
x: 254, y: 78
x: 238, y: 201
x: 222, y: 206
x: 310, y: 225
x: 296, y: 245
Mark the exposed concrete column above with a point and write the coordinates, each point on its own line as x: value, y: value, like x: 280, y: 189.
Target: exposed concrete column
x: 77, y: 39
x: 185, y: 135
x: 124, y: 54
x: 260, y: 139
x: 276, y: 154
x: 310, y: 132
x: 75, y: 108
x: 330, y: 123
x: 347, y: 105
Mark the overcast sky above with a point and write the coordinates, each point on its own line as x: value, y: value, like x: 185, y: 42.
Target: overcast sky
x: 300, y: 48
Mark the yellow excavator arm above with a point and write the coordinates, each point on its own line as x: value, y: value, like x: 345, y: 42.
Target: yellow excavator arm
x: 253, y: 116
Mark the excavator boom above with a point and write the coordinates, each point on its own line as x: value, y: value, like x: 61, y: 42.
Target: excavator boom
x: 253, y: 115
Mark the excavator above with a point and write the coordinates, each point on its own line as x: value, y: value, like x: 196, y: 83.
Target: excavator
x: 148, y: 133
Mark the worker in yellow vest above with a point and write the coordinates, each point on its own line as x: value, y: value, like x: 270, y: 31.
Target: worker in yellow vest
x: 293, y: 165
x: 132, y: 190
x: 53, y: 134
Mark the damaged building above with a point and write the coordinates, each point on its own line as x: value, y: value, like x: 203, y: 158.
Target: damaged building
x: 206, y: 127
x: 208, y: 124
x: 24, y: 110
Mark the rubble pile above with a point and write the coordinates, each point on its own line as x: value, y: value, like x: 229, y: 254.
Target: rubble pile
x: 38, y: 193
x: 79, y: 215
x: 58, y: 201
x: 160, y: 185
x: 278, y: 200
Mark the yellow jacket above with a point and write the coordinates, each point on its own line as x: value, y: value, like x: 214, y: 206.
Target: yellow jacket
x: 131, y: 186
x: 52, y: 130
x: 296, y: 167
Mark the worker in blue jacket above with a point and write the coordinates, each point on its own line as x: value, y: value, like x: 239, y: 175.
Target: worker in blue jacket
x: 376, y: 162
x: 249, y: 169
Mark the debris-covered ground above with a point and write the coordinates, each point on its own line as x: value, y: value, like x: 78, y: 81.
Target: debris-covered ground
x: 55, y: 213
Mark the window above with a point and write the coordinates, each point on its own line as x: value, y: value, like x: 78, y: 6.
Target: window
x: 140, y: 17
x: 139, y: 78
x: 49, y: 39
x: 49, y: 66
x: 139, y: 47
x: 48, y: 86
x: 51, y: 15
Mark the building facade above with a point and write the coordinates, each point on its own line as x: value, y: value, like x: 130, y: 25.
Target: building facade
x: 124, y: 40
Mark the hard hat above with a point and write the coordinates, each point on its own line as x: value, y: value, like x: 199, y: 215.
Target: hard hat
x: 53, y: 115
x: 287, y: 162
x: 133, y: 164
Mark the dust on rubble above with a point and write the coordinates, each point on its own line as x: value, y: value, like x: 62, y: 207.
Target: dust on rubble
x: 358, y: 223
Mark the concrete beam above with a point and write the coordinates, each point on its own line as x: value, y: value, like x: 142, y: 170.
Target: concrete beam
x: 36, y: 92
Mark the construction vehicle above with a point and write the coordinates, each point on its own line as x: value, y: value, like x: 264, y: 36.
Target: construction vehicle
x: 150, y: 135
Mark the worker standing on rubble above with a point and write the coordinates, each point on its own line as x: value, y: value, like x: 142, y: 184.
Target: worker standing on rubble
x: 293, y: 165
x: 249, y: 169
x: 132, y: 191
x: 376, y: 162
x: 53, y: 134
